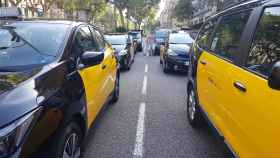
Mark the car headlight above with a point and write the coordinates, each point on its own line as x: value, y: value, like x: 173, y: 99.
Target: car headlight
x: 11, y: 137
x: 123, y: 52
x: 171, y: 53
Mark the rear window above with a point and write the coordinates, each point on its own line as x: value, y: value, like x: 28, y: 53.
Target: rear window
x: 161, y: 34
x: 117, y: 40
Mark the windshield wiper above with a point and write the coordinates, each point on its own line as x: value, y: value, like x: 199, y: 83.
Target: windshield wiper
x: 17, y: 37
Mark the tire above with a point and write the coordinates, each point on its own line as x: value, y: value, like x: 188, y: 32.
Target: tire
x: 165, y: 67
x: 62, y: 148
x: 116, y: 92
x: 127, y: 65
x: 193, y: 112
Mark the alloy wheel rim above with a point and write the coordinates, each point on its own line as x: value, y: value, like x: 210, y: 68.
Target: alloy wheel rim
x: 192, y: 106
x: 71, y: 147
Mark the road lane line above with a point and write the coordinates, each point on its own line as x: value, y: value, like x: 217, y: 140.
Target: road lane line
x: 146, y: 68
x: 144, y: 88
x: 139, y: 141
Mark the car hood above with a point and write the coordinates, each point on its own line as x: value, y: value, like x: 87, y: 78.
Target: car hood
x: 180, y: 48
x: 118, y: 47
x: 19, y: 92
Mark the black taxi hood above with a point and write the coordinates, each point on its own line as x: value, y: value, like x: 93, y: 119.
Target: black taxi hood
x: 10, y: 80
x: 19, y: 93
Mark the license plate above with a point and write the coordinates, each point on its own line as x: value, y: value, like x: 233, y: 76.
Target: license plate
x: 187, y: 63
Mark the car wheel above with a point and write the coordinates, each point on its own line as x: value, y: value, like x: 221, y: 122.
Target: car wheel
x: 194, y: 113
x: 68, y: 143
x: 126, y: 64
x: 165, y: 67
x: 116, y: 92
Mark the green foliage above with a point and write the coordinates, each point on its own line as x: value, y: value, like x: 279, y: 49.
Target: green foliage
x: 183, y: 9
x: 142, y: 9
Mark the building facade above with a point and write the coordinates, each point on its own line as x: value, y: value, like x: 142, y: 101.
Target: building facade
x: 166, y: 19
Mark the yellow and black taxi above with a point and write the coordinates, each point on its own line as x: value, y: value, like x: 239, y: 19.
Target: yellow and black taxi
x: 234, y: 78
x: 124, y: 49
x: 175, y: 55
x: 55, y: 77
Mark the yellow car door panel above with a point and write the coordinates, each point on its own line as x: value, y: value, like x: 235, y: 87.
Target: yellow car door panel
x: 93, y: 76
x: 223, y: 103
x: 93, y: 87
x: 256, y: 107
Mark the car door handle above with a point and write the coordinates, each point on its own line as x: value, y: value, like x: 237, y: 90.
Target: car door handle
x: 104, y: 66
x: 240, y: 86
x: 203, y: 62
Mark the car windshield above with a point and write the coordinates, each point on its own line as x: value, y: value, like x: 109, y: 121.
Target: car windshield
x: 161, y: 34
x: 25, y: 44
x: 116, y: 40
x: 136, y: 35
x: 182, y: 38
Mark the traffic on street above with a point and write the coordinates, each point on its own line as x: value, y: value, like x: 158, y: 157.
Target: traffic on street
x: 139, y: 78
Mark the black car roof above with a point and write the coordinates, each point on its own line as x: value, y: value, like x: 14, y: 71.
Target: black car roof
x: 66, y: 22
x: 247, y: 5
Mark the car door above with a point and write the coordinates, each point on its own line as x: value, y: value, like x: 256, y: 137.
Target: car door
x: 256, y: 111
x: 108, y: 64
x: 92, y: 76
x: 225, y: 48
x: 203, y: 73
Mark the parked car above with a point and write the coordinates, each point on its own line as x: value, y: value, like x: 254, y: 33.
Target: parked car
x: 234, y: 78
x: 124, y: 49
x: 55, y: 77
x: 161, y: 36
x: 175, y: 54
x: 137, y: 36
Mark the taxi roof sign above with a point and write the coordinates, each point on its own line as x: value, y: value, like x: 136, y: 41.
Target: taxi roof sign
x: 10, y: 13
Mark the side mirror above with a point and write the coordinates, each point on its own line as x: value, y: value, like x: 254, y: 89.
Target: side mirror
x: 274, y: 78
x: 92, y: 58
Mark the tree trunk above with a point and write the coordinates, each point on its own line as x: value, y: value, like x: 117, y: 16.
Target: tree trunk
x: 122, y: 17
x: 115, y: 17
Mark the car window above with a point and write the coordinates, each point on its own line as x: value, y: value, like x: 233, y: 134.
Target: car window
x: 265, y: 49
x: 99, y: 38
x: 84, y: 41
x: 204, y: 36
x: 228, y: 34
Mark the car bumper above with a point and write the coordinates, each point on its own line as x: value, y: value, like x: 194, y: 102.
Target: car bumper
x: 177, y: 63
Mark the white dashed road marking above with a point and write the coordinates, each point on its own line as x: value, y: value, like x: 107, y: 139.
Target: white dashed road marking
x: 146, y: 68
x: 144, y: 88
x: 139, y: 141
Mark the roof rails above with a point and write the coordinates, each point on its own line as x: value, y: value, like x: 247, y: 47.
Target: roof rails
x: 8, y: 13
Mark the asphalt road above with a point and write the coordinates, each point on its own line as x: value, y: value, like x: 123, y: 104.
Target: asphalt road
x: 150, y: 121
